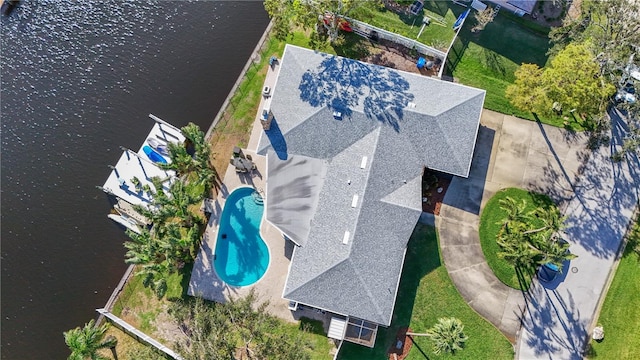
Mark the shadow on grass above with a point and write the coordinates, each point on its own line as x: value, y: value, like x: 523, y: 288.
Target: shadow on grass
x: 501, y: 38
x: 524, y: 275
x: 422, y: 258
x: 353, y: 47
x: 424, y: 354
x: 178, y: 289
x: 312, y: 326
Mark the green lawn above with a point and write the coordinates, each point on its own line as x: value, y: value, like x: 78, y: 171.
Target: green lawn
x: 426, y: 294
x: 490, y: 220
x: 620, y: 314
x: 434, y: 35
x: 488, y: 60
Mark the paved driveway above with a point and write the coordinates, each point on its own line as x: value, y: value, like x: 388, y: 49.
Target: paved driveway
x: 510, y: 152
x: 559, y: 316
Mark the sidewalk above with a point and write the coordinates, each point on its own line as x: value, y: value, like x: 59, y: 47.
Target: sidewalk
x: 560, y: 315
x: 510, y: 152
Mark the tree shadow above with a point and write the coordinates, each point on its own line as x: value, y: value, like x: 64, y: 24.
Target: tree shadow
x: 598, y: 201
x: 345, y: 85
x: 552, y: 324
x: 494, y: 62
x: 510, y: 39
x: 424, y: 354
x: 605, y: 196
x: 353, y: 47
x: 442, y: 7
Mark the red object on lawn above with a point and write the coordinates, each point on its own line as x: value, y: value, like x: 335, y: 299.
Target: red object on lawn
x: 342, y: 25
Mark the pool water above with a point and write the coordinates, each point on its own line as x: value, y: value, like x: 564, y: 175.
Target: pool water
x: 241, y: 256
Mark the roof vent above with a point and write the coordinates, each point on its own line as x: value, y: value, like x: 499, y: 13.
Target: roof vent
x: 363, y: 163
x: 354, y: 202
x: 345, y: 239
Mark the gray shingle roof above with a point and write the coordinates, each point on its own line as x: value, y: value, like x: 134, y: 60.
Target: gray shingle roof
x: 401, y: 123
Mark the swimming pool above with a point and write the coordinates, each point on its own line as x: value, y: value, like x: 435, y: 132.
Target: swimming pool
x: 241, y: 256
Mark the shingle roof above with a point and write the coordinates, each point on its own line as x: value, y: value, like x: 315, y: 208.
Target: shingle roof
x: 395, y: 123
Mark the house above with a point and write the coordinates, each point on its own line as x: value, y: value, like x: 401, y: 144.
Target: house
x: 518, y: 7
x: 346, y: 150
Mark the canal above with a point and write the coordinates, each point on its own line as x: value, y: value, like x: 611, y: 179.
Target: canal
x: 78, y: 80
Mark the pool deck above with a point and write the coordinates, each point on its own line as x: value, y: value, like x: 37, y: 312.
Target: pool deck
x: 206, y: 284
x: 204, y: 280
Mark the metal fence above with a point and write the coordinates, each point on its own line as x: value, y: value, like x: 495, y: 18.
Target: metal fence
x: 367, y: 29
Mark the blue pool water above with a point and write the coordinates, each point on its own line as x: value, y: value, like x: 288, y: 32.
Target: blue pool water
x: 242, y: 257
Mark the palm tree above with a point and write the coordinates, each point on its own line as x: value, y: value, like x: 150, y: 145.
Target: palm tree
x: 84, y: 343
x: 202, y: 156
x: 517, y: 250
x: 447, y: 336
x: 142, y: 249
x: 183, y: 196
x: 556, y: 251
x: 181, y: 161
x: 515, y: 213
x: 551, y: 219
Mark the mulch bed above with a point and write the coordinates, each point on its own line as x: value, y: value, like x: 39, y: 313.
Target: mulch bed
x: 400, y: 354
x: 431, y: 198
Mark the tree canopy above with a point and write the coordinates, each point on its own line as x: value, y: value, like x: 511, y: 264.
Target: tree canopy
x: 85, y: 342
x: 309, y: 14
x: 238, y: 328
x: 447, y: 336
x: 612, y: 29
x: 572, y: 81
x: 532, y: 238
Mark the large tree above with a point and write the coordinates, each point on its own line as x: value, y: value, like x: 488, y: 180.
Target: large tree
x: 572, y: 82
x: 287, y: 14
x: 528, y: 92
x: 612, y: 28
x: 85, y: 342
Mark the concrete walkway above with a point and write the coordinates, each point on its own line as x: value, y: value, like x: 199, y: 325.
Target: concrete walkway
x: 510, y: 152
x: 560, y: 315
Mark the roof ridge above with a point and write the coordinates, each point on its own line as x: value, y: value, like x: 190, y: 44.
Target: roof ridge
x: 446, y: 138
x: 366, y: 287
x: 386, y: 199
x: 315, y: 277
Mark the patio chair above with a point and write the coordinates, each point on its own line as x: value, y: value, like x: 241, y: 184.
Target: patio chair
x: 237, y: 152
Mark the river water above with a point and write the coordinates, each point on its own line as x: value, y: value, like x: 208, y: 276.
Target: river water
x: 78, y: 81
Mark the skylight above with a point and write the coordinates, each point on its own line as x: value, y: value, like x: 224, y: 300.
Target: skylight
x: 345, y: 239
x: 363, y: 164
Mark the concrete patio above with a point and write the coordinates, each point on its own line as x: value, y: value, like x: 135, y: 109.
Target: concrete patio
x: 204, y: 281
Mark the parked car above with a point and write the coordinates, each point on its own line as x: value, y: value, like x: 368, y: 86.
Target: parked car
x: 266, y: 91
